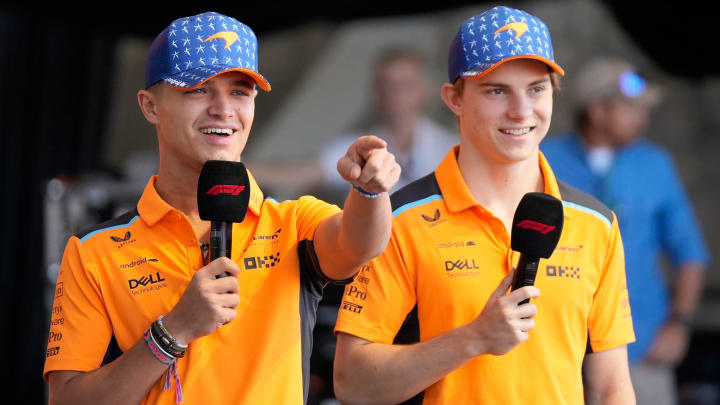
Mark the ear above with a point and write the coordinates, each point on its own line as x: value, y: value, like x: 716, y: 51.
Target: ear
x: 451, y: 98
x: 148, y: 105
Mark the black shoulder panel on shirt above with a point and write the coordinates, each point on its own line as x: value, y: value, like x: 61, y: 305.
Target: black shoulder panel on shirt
x: 417, y: 190
x: 410, y: 333
x: 575, y: 196
x: 310, y: 265
x: 123, y: 219
x: 312, y: 281
x: 588, y: 348
x: 112, y: 353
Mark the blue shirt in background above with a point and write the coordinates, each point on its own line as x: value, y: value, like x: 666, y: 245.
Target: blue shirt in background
x: 655, y: 218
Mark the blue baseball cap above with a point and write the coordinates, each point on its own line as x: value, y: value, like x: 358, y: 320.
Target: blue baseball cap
x: 194, y: 49
x: 486, y: 41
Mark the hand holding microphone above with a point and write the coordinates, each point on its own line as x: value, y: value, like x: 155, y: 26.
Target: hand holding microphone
x: 536, y: 230
x: 211, y: 298
x: 223, y: 195
x: 505, y: 322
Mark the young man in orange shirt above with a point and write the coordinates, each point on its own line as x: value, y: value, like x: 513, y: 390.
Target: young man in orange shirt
x: 442, y: 283
x: 137, y: 297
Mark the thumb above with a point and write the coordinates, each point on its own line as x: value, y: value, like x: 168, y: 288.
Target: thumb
x: 504, y: 285
x: 348, y: 169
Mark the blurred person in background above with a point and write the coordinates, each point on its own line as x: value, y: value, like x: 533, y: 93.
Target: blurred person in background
x: 141, y: 313
x: 636, y: 178
x: 400, y: 95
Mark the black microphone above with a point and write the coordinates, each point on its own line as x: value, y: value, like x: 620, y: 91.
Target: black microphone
x: 223, y: 196
x: 536, y: 230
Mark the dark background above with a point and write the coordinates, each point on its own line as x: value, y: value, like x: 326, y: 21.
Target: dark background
x: 56, y: 66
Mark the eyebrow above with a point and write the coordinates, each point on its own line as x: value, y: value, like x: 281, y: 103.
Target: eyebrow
x: 245, y: 83
x: 503, y: 85
x: 240, y: 83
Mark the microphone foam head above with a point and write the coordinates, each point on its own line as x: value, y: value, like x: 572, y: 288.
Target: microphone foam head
x: 223, y: 192
x: 537, y: 225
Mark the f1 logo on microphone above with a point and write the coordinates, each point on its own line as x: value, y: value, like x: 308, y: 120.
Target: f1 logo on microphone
x: 225, y: 189
x: 535, y: 226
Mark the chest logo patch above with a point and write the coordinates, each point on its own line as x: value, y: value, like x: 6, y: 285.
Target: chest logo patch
x: 562, y: 271
x: 461, y: 268
x: 122, y: 240
x: 433, y: 218
x: 261, y: 262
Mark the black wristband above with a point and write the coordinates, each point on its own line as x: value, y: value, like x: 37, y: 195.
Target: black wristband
x: 164, y: 342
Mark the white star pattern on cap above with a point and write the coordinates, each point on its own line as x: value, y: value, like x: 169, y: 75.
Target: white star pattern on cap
x: 219, y: 43
x: 514, y: 33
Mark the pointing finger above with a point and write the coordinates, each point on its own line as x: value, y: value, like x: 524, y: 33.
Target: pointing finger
x: 373, y: 165
x: 366, y: 144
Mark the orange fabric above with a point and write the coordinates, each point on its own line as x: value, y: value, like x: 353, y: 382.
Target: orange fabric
x: 254, y: 359
x: 449, y: 263
x: 554, y: 66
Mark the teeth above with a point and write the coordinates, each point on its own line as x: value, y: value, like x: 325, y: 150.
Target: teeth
x: 223, y: 131
x: 519, y: 131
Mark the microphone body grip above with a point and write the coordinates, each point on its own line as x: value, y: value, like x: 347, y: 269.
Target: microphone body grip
x: 525, y: 273
x: 220, y: 241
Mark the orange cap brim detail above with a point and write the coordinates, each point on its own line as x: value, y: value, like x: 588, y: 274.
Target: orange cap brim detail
x: 554, y: 66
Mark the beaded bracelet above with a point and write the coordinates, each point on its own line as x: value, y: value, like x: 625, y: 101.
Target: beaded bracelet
x: 167, y: 359
x: 364, y: 193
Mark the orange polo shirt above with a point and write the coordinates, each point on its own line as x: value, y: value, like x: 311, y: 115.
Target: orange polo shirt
x: 117, y: 278
x: 447, y: 255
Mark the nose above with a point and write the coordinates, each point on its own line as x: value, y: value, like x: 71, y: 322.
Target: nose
x: 520, y: 107
x: 220, y: 106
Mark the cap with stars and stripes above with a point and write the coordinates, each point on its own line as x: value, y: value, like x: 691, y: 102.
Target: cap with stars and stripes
x: 194, y: 49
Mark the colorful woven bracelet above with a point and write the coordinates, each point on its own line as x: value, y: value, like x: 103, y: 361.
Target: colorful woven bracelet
x: 164, y: 358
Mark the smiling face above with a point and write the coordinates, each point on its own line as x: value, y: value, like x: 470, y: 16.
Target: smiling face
x: 504, y: 114
x: 211, y: 121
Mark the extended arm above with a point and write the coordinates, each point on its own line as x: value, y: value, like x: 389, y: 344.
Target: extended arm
x: 349, y: 239
x: 606, y: 378
x: 371, y: 373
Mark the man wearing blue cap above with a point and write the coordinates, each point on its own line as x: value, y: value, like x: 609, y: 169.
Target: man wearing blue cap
x: 140, y: 314
x: 638, y: 180
x: 442, y: 283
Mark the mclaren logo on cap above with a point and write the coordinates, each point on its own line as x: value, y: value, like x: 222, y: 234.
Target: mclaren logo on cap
x: 229, y: 37
x: 518, y: 27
